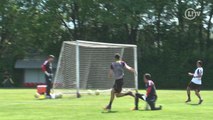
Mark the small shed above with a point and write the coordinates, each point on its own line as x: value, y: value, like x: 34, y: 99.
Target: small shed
x: 32, y: 72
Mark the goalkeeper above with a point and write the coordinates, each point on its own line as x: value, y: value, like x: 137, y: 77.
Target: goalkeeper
x: 47, y: 69
x: 150, y: 96
x: 117, y: 69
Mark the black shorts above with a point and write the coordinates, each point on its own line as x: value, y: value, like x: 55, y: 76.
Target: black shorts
x: 194, y: 86
x: 118, y: 85
x: 152, y: 98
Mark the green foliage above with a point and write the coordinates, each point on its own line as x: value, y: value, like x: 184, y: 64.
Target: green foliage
x: 168, y: 44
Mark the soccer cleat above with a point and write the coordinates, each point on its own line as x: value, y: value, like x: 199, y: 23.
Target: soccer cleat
x: 48, y: 97
x: 143, y: 97
x: 107, y: 108
x: 134, y: 109
x: 200, y: 101
x: 187, y: 101
x: 157, y: 108
x: 160, y: 107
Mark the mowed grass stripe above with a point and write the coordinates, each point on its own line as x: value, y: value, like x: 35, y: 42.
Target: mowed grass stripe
x: 20, y: 104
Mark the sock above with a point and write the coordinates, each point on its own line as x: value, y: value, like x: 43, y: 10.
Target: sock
x: 136, y: 102
x: 110, y: 104
x: 189, y: 98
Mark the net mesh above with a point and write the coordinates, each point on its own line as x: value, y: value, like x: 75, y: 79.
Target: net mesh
x: 94, y: 64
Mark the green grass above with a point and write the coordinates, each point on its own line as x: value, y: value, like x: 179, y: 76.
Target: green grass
x: 19, y: 104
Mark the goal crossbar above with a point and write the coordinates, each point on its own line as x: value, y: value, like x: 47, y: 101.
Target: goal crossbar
x: 99, y: 44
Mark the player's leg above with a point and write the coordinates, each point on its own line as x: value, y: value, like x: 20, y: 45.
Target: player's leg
x: 118, y: 88
x: 124, y: 94
x: 151, y: 103
x: 48, y: 84
x: 141, y: 96
x: 137, y: 97
x: 108, y: 107
x: 112, y: 97
x: 188, y: 92
x: 136, y: 103
x: 113, y: 94
x: 197, y: 92
x: 116, y: 91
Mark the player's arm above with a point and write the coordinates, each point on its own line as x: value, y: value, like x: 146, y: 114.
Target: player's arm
x: 129, y: 68
x: 190, y: 74
x: 110, y: 73
x: 199, y: 74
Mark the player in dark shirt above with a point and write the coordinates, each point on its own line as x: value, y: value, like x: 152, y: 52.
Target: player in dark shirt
x: 150, y: 96
x: 47, y: 69
x: 117, y: 71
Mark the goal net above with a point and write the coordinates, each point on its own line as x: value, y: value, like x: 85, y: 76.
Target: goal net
x: 84, y: 65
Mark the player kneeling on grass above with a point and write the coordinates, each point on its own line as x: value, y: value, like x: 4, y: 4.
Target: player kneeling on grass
x: 195, y: 82
x: 150, y: 96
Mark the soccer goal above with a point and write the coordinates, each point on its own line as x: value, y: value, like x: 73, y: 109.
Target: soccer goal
x: 84, y: 65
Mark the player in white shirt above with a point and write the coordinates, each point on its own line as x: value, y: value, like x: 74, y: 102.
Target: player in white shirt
x: 196, y: 82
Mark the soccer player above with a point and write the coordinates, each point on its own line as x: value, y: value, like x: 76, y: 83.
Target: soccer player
x: 8, y: 81
x: 150, y: 96
x: 196, y: 82
x: 47, y: 69
x: 117, y: 70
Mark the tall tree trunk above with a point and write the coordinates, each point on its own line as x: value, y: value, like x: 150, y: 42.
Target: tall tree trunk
x: 75, y: 17
x: 60, y: 17
x: 158, y: 30
x: 208, y: 29
x: 132, y: 32
x: 201, y: 40
x: 180, y: 15
x: 158, y: 27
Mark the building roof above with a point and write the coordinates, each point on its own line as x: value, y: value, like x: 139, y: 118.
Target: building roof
x: 31, y: 63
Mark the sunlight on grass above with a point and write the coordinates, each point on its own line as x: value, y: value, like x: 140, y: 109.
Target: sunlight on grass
x: 19, y: 104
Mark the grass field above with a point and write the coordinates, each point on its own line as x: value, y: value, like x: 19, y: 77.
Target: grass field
x: 20, y: 104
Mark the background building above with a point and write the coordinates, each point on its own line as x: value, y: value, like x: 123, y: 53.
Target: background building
x: 31, y: 74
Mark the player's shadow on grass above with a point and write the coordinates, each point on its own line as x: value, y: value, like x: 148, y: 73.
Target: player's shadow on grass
x: 109, y: 112
x: 193, y: 104
x: 143, y: 110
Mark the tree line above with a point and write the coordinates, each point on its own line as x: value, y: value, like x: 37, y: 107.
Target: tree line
x: 168, y: 43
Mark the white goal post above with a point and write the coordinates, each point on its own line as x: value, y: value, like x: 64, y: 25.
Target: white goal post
x: 84, y: 65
